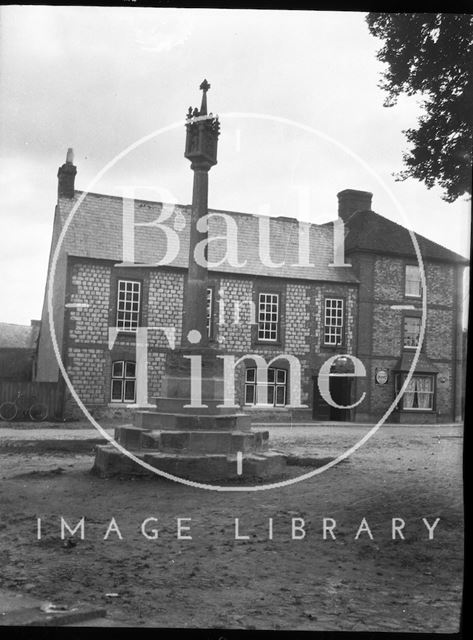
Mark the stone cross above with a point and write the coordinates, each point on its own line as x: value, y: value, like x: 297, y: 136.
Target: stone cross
x: 201, y: 150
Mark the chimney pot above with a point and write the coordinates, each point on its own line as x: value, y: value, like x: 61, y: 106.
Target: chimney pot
x: 351, y: 200
x: 66, y: 177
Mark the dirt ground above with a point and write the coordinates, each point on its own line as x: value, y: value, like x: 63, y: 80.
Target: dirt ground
x: 213, y: 580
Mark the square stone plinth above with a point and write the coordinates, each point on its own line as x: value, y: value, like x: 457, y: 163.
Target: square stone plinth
x: 149, y: 419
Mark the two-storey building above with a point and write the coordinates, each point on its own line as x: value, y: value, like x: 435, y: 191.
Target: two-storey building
x: 280, y: 292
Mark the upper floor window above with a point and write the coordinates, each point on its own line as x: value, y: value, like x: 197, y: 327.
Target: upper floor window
x: 333, y: 322
x: 276, y: 388
x: 268, y: 317
x: 411, y: 331
x: 209, y: 310
x: 128, y: 305
x: 412, y: 281
x: 123, y: 381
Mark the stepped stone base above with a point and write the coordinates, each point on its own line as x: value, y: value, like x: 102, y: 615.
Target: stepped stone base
x: 200, y: 443
x: 202, y: 455
x: 212, y: 468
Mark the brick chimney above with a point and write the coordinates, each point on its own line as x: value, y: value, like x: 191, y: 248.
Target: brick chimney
x: 66, y: 176
x: 351, y: 200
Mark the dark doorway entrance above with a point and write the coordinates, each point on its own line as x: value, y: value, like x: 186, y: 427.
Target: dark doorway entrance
x: 340, y: 388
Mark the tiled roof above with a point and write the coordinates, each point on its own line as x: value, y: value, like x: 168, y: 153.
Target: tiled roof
x: 17, y: 336
x: 424, y: 365
x: 369, y: 231
x: 97, y: 227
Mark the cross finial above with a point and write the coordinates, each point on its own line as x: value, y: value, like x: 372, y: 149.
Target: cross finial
x: 205, y: 86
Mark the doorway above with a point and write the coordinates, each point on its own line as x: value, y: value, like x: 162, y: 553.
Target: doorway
x: 340, y: 389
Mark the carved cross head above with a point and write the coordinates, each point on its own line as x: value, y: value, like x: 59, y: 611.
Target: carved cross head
x: 204, y: 86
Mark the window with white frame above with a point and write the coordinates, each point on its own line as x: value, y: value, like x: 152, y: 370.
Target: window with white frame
x: 413, y: 289
x: 268, y: 317
x: 276, y: 388
x: 128, y: 305
x: 419, y: 394
x: 209, y: 310
x: 411, y: 331
x: 123, y: 387
x: 333, y: 322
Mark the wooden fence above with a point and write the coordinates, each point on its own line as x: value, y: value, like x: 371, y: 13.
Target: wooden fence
x: 48, y: 393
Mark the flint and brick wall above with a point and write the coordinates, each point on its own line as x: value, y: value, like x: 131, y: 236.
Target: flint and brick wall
x: 90, y: 285
x: 298, y: 319
x: 232, y: 337
x: 87, y: 372
x: 94, y: 282
x: 89, y: 358
x: 301, y: 328
x: 165, y: 300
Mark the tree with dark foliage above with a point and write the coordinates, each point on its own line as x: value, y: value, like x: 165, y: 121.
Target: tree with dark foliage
x: 431, y: 55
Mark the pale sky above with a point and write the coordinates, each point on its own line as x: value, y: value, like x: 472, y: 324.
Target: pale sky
x: 99, y: 79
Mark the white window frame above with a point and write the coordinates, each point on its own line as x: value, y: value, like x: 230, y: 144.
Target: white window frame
x: 277, y: 379
x: 407, y: 292
x: 413, y: 388
x: 124, y: 306
x: 268, y: 318
x: 334, y: 311
x: 124, y: 378
x: 404, y: 333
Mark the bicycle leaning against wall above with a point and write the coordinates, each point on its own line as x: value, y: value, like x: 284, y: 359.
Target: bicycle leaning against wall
x: 24, y: 407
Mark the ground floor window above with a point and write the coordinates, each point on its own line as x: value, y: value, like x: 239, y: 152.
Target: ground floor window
x: 419, y: 393
x: 276, y: 389
x: 123, y: 381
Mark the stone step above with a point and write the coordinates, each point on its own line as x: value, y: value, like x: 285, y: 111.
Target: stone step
x: 216, y: 441
x: 190, y: 421
x: 37, y: 617
x: 212, y: 468
x: 24, y: 610
x: 177, y: 405
x: 217, y: 467
x: 130, y: 437
x: 205, y: 441
x: 110, y: 462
